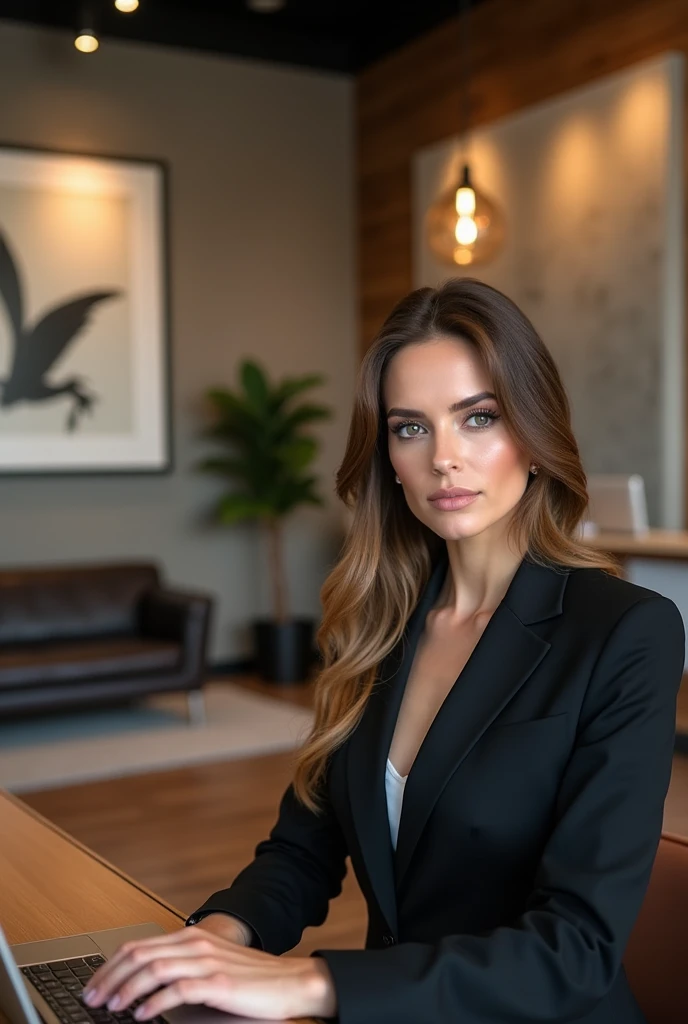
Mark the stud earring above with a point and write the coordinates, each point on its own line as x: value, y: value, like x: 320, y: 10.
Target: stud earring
x: 533, y: 470
x: 397, y: 479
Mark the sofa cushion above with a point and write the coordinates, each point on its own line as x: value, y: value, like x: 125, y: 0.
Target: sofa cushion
x: 86, y: 660
x: 72, y: 601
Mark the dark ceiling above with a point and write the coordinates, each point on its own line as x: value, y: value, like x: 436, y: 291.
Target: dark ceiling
x: 341, y: 35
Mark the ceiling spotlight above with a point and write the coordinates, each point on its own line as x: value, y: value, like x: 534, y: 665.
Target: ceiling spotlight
x: 126, y: 6
x: 265, y: 6
x: 86, y: 41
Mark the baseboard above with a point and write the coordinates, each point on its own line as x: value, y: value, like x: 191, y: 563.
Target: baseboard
x: 240, y: 666
x: 237, y: 667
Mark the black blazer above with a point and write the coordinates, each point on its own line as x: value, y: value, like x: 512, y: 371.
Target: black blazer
x: 530, y: 820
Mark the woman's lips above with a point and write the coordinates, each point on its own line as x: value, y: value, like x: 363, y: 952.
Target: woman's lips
x: 449, y: 504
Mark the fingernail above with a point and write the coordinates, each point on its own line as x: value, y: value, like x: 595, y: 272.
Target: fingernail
x: 114, y: 1003
x: 89, y: 995
x: 139, y: 1012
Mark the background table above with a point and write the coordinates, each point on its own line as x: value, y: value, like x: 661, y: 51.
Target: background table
x: 659, y: 544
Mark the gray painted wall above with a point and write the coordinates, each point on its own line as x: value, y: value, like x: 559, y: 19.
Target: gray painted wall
x: 261, y: 260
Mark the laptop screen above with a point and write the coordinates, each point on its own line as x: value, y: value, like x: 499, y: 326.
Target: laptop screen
x: 15, y: 1001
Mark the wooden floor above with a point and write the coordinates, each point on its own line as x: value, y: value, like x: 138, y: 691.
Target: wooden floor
x: 188, y: 832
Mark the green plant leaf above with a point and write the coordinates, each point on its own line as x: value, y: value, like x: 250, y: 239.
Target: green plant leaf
x: 303, y: 414
x: 235, y: 507
x: 226, y: 403
x: 263, y: 450
x: 297, y: 453
x: 297, y: 491
x: 292, y: 386
x: 255, y: 385
x: 223, y: 466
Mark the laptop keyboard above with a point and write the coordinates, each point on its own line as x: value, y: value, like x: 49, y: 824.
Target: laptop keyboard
x: 60, y: 984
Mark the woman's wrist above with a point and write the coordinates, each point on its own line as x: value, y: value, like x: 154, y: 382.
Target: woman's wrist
x: 227, y: 926
x: 322, y: 999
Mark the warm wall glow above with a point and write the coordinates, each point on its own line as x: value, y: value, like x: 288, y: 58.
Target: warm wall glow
x: 573, y: 161
x: 86, y: 42
x: 126, y: 6
x: 641, y: 122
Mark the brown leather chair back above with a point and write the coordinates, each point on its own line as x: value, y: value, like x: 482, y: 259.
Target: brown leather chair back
x: 656, y: 959
x: 64, y: 602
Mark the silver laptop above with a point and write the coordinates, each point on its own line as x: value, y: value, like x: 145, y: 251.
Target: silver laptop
x: 41, y: 982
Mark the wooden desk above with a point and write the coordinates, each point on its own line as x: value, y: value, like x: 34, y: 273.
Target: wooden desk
x: 52, y: 885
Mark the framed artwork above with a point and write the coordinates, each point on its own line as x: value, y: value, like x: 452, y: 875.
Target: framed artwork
x: 84, y: 320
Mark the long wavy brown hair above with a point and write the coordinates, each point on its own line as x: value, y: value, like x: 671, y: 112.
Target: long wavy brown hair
x: 388, y: 554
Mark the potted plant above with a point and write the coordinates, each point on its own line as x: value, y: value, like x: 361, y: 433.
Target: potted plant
x: 267, y: 464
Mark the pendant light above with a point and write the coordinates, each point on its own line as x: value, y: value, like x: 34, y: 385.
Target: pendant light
x: 463, y: 226
x: 86, y: 39
x: 127, y: 6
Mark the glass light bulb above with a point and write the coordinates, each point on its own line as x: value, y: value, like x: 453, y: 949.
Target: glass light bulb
x: 463, y: 226
x: 465, y: 202
x: 466, y: 231
x: 86, y: 42
x: 126, y: 6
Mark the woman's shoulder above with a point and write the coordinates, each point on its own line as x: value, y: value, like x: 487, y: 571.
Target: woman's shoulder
x: 607, y: 597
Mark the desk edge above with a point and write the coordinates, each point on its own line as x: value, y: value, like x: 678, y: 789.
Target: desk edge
x: 46, y: 822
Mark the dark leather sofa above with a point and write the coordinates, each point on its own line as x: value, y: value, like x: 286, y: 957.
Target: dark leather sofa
x: 76, y: 636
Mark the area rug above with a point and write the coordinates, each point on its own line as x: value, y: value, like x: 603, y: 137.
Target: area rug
x: 152, y: 735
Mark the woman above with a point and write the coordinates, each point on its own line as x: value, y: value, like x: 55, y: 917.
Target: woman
x: 486, y: 665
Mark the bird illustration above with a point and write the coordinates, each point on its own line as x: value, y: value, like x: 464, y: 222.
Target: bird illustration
x: 35, y: 349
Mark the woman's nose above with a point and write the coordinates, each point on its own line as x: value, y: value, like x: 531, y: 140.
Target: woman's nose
x: 446, y: 457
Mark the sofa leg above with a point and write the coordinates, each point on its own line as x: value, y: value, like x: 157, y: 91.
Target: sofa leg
x: 195, y: 703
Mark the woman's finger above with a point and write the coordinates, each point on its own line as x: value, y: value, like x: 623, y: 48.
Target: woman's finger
x: 127, y: 962
x: 159, y: 972
x: 103, y: 972
x: 219, y: 991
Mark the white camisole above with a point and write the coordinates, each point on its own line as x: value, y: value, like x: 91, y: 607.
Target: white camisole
x: 394, y: 785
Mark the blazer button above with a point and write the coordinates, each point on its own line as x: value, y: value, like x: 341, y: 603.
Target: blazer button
x: 388, y: 940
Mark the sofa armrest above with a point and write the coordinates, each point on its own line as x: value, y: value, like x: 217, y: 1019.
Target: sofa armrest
x: 182, y: 617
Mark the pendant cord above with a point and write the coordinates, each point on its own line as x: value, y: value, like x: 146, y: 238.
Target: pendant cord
x: 464, y: 33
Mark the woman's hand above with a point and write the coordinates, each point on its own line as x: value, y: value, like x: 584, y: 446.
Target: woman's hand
x: 195, y: 965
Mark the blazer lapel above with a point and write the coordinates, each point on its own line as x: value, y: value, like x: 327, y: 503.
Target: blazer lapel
x: 505, y: 656
x: 368, y: 748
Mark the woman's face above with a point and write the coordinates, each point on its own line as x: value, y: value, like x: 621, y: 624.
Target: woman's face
x: 434, y: 446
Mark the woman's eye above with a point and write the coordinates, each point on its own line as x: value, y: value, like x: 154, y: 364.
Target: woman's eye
x: 406, y: 426
x: 485, y: 416
x: 413, y: 429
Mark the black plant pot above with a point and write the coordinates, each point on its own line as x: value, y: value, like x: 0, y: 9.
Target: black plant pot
x: 284, y: 650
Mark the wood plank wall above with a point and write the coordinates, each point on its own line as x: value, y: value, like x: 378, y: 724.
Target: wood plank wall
x: 522, y: 52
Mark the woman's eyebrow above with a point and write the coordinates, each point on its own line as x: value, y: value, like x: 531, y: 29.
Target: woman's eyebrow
x: 465, y: 403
